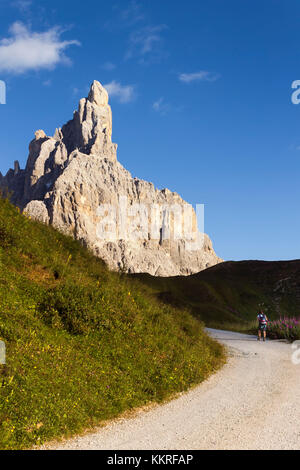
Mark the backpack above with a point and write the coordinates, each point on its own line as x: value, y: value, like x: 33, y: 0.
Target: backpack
x: 262, y: 318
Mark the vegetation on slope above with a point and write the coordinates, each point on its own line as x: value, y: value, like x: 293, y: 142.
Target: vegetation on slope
x: 286, y: 328
x: 83, y: 344
x: 229, y: 295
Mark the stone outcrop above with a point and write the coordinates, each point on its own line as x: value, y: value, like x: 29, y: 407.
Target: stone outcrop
x: 73, y: 181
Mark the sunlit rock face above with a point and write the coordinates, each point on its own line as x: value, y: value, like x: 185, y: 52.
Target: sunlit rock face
x: 74, y: 182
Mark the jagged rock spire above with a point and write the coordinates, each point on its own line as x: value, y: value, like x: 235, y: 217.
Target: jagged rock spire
x: 89, y: 132
x: 98, y: 95
x: 70, y: 176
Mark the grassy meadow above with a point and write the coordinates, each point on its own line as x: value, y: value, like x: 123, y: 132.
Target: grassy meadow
x: 83, y: 344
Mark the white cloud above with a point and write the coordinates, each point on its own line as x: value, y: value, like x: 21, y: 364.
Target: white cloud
x: 157, y: 104
x: 22, y: 5
x: 203, y: 75
x: 125, y: 17
x: 145, y: 41
x: 124, y: 93
x: 109, y: 66
x: 25, y: 50
x: 132, y: 14
x: 161, y: 107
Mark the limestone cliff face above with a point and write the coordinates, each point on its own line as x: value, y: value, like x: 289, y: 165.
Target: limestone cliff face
x: 73, y: 181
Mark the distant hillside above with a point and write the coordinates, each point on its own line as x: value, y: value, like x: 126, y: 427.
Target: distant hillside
x: 231, y: 293
x: 83, y: 344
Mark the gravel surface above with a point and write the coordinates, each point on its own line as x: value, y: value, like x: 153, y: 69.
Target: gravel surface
x: 252, y: 403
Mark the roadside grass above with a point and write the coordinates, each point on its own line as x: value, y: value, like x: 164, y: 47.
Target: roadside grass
x: 83, y: 344
x: 247, y: 327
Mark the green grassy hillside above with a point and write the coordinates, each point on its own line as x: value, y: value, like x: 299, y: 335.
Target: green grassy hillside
x: 228, y: 295
x: 83, y: 344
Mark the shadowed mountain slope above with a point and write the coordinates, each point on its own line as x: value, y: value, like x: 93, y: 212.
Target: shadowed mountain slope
x: 232, y: 292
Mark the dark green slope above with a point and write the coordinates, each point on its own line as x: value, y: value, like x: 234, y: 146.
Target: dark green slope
x: 231, y: 293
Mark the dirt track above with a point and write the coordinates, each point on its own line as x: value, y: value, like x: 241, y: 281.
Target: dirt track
x: 252, y: 403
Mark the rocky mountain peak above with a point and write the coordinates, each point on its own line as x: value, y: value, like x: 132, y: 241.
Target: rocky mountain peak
x: 98, y: 95
x: 90, y: 130
x: 72, y: 177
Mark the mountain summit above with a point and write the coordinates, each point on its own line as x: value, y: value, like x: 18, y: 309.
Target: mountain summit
x: 74, y: 182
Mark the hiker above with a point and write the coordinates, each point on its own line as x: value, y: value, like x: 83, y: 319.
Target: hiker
x: 262, y: 325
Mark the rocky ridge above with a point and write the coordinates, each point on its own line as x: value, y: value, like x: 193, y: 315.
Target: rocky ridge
x: 73, y: 180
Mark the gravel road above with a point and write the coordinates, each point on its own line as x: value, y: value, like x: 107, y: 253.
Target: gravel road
x: 252, y: 403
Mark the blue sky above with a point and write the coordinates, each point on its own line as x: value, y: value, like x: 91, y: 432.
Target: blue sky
x: 201, y: 100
